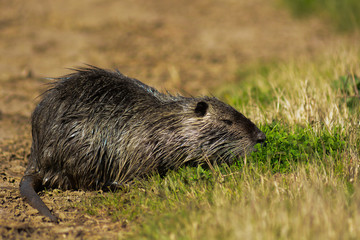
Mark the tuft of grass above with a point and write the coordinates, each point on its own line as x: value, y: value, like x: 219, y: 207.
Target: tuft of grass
x: 287, y: 146
x: 344, y: 14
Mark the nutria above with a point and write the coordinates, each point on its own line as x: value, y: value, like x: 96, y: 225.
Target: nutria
x: 95, y: 129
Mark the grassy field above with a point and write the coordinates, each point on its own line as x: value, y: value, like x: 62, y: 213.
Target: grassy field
x: 344, y: 14
x: 302, y: 185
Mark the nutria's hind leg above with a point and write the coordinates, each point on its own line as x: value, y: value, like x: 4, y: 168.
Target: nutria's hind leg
x: 28, y: 185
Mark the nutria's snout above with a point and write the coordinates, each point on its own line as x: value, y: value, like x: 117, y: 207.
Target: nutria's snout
x: 260, y: 137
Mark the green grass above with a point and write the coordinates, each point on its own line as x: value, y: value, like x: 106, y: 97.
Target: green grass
x: 344, y: 14
x: 302, y: 185
x: 288, y: 146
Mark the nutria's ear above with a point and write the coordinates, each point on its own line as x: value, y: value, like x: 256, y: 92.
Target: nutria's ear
x: 201, y: 109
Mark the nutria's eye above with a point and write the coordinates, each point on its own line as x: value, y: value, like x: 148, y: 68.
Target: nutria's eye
x: 201, y: 109
x: 227, y: 122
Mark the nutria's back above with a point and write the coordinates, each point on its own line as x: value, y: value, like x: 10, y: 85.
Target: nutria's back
x: 95, y: 128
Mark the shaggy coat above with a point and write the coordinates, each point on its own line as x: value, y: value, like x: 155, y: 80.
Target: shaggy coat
x: 95, y: 129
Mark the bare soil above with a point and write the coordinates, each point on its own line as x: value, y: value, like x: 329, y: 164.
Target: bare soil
x: 188, y: 46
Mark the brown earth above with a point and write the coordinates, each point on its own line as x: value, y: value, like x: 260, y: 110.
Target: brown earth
x: 189, y: 46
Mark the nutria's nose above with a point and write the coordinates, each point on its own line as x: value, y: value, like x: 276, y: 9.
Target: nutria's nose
x: 260, y: 137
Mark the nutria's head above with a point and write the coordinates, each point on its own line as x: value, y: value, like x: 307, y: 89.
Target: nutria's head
x: 221, y: 132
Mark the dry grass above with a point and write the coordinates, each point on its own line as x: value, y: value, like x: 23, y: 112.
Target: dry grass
x: 307, y: 204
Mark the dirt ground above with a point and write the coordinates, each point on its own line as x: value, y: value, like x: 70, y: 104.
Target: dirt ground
x: 187, y: 46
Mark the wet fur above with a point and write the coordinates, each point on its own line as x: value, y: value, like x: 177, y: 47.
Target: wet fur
x: 97, y: 128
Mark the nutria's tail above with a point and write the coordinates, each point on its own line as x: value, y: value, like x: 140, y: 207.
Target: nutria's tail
x: 27, y: 190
